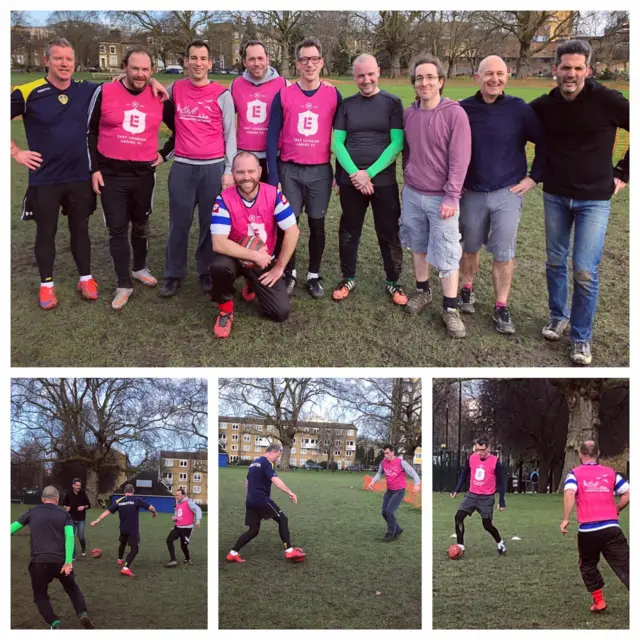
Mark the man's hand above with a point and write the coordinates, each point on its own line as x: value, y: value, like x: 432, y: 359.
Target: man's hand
x: 96, y: 182
x: 360, y: 179
x: 227, y: 181
x: 501, y: 508
x: 294, y: 498
x: 157, y: 88
x: 81, y: 508
x: 67, y: 568
x: 94, y: 523
x: 447, y: 211
x: 272, y: 276
x: 453, y: 495
x: 619, y: 185
x: 564, y: 526
x: 154, y: 514
x: 67, y: 508
x: 198, y: 525
x: 30, y: 159
x: 326, y: 83
x: 159, y: 160
x: 261, y: 257
x: 526, y: 184
x: 174, y: 518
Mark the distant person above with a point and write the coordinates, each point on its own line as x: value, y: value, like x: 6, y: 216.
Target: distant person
x: 76, y: 503
x: 591, y: 487
x: 259, y: 505
x: 437, y: 151
x: 486, y: 475
x: 52, y: 542
x: 580, y: 118
x: 395, y: 472
x: 250, y: 208
x: 128, y: 508
x: 202, y: 147
x: 496, y: 182
x: 187, y: 515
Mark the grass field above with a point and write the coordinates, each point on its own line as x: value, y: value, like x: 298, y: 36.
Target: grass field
x: 365, y: 330
x: 537, y: 585
x: 341, y: 529
x: 148, y: 601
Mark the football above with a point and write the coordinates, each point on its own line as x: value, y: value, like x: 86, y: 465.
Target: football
x: 254, y: 243
x: 455, y: 552
x: 96, y: 553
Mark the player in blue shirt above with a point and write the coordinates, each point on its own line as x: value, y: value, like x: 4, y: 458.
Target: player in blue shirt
x: 128, y: 507
x: 260, y: 506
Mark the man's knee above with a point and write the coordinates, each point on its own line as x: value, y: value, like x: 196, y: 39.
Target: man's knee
x: 460, y: 515
x: 141, y: 230
x: 487, y: 523
x: 281, y: 314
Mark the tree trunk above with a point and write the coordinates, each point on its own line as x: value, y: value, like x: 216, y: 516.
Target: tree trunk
x: 522, y: 66
x: 394, y: 70
x: 284, y: 69
x: 286, y: 455
x: 92, y: 486
x: 583, y: 400
x: 543, y: 475
x: 451, y: 71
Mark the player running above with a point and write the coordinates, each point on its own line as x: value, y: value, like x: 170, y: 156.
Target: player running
x: 260, y: 506
x: 187, y: 515
x: 52, y: 541
x: 592, y: 487
x: 486, y: 474
x: 395, y: 471
x: 128, y: 508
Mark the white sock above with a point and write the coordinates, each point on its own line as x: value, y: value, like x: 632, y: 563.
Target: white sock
x: 233, y: 553
x: 85, y: 278
x: 501, y: 543
x: 294, y: 273
x: 47, y: 284
x: 312, y: 275
x: 289, y: 549
x: 461, y: 546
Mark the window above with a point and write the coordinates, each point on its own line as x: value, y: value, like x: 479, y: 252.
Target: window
x: 293, y: 450
x: 350, y: 432
x: 196, y: 490
x: 182, y: 477
x: 184, y: 463
x: 295, y: 440
x: 269, y: 429
x: 246, y: 438
x: 197, y: 500
x: 350, y: 443
x: 256, y: 448
x: 246, y: 447
x: 223, y: 436
x: 303, y: 451
x: 257, y: 439
x: 259, y: 428
x: 234, y: 447
x: 103, y: 49
x: 338, y: 443
x: 337, y: 452
x: 349, y: 454
x: 235, y: 437
x: 168, y: 462
x: 292, y: 461
x: 167, y: 476
x: 112, y: 49
x: 183, y: 487
x: 233, y: 458
x: 197, y: 477
x: 235, y: 427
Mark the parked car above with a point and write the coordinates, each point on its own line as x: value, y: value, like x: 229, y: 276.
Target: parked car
x: 174, y: 68
x: 355, y: 467
x: 312, y: 466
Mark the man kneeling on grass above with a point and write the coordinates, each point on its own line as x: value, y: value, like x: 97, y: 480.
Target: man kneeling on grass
x: 250, y: 208
x: 260, y: 506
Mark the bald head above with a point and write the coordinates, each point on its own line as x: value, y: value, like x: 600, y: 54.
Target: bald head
x: 50, y: 494
x: 366, y: 73
x: 589, y: 449
x: 492, y: 76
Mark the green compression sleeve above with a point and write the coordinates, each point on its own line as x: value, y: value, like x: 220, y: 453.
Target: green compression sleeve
x: 15, y: 526
x: 389, y: 154
x: 68, y: 543
x: 342, y: 155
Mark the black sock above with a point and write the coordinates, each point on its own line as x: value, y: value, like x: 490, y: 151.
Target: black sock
x: 449, y: 303
x: 422, y: 286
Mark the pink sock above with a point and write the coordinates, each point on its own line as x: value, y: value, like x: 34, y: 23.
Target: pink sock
x: 468, y: 286
x: 499, y: 305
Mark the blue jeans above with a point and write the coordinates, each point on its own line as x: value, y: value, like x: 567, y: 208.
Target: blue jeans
x: 78, y: 527
x: 390, y: 503
x: 590, y: 218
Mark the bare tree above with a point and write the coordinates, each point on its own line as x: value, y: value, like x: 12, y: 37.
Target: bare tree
x: 83, y: 30
x: 83, y: 419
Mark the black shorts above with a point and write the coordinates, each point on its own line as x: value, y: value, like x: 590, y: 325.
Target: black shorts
x: 45, y: 201
x: 483, y: 504
x: 266, y: 512
x: 131, y: 540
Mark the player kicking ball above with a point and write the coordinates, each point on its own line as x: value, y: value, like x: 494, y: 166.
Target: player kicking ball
x: 260, y: 506
x: 484, y: 470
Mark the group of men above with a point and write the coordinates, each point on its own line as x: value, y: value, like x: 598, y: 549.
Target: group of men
x: 590, y: 487
x: 261, y: 476
x: 464, y: 165
x: 52, y: 539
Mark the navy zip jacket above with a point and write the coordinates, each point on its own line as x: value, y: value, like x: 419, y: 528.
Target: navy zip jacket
x: 499, y: 134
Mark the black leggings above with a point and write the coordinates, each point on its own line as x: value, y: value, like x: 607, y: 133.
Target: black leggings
x: 183, y: 535
x: 316, y: 245
x: 487, y: 523
x: 254, y: 530
x: 134, y: 547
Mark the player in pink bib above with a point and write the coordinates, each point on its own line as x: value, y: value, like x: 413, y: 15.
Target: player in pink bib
x: 486, y: 475
x: 187, y: 515
x: 250, y: 208
x: 592, y: 489
x: 395, y: 471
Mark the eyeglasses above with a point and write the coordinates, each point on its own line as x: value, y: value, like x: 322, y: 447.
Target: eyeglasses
x: 306, y: 60
x: 421, y: 79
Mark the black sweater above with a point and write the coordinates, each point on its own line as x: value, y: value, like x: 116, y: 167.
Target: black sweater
x: 580, y: 137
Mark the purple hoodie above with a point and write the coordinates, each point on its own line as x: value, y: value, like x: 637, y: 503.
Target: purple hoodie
x: 437, y: 150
